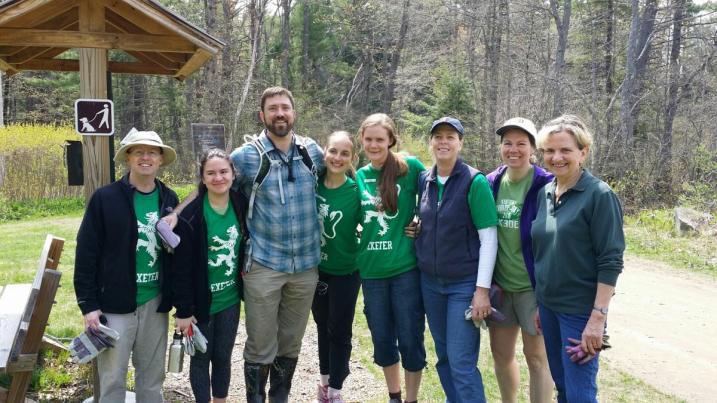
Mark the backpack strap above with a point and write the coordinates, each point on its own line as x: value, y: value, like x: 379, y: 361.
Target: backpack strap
x: 261, y: 173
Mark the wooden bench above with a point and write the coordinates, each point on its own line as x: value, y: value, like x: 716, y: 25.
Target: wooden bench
x: 24, y: 310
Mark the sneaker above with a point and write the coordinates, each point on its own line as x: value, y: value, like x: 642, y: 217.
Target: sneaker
x: 322, y: 393
x: 335, y: 397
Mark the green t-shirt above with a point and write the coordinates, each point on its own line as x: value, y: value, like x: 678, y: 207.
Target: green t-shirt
x: 339, y: 211
x: 149, y: 246
x: 510, y: 272
x: 385, y: 251
x: 223, y: 239
x: 479, y: 196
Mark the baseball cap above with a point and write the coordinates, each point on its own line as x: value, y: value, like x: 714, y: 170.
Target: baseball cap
x: 453, y: 122
x: 523, y: 124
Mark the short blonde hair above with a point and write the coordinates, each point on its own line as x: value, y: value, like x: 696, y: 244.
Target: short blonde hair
x: 569, y: 124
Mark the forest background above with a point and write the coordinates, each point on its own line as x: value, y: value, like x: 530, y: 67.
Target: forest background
x: 640, y: 72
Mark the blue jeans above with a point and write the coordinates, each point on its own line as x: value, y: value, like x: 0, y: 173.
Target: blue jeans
x: 575, y: 383
x: 457, y: 339
x: 395, y: 316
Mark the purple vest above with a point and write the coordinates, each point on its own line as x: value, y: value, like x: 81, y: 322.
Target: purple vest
x: 448, y: 245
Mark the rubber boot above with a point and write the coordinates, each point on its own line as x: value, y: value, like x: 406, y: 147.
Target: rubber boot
x: 255, y: 376
x: 282, y: 371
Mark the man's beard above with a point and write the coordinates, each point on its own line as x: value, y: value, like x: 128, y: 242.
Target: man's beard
x: 272, y: 127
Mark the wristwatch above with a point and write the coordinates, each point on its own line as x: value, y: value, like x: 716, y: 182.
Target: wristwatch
x: 601, y: 310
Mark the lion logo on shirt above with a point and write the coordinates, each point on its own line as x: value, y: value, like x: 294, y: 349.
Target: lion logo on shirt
x: 146, y: 238
x: 229, y: 244
x: 380, y: 215
x: 334, y: 217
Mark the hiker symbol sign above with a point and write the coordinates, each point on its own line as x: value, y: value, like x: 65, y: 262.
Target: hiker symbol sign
x: 94, y: 117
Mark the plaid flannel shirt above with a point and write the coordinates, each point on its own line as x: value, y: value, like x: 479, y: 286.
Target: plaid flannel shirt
x: 284, y: 229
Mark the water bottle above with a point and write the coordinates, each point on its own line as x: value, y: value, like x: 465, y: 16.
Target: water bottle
x: 176, y: 354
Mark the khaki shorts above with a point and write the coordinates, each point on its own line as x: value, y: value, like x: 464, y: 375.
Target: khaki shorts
x: 519, y: 309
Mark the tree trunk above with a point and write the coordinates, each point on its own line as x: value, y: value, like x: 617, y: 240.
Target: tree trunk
x: 608, y: 73
x: 396, y: 57
x: 638, y: 50
x: 562, y: 24
x: 211, y: 84
x: 491, y: 76
x: 2, y: 103
x: 305, y: 43
x: 665, y: 164
x: 285, y: 42
x: 227, y: 67
x: 256, y: 18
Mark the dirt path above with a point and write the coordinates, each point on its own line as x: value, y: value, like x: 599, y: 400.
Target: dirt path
x: 360, y: 386
x: 663, y: 326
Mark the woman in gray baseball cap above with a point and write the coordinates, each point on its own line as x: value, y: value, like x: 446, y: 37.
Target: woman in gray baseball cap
x: 515, y: 184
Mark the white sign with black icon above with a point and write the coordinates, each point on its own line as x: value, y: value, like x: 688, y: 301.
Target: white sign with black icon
x: 94, y: 117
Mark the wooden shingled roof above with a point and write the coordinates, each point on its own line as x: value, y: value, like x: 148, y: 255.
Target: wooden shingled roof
x: 33, y: 33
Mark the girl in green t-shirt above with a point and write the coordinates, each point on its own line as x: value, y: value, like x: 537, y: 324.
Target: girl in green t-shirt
x: 207, y: 267
x: 388, y: 188
x: 335, y: 299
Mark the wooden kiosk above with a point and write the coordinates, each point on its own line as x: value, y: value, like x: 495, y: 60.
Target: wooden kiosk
x: 33, y: 33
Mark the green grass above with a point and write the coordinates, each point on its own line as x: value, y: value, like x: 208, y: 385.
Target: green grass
x: 651, y: 234
x: 22, y: 210
x: 20, y: 246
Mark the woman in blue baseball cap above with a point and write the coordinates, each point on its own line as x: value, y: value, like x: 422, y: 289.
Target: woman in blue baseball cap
x: 456, y: 251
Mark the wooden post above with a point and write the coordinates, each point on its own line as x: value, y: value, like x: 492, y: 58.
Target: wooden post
x: 93, y: 84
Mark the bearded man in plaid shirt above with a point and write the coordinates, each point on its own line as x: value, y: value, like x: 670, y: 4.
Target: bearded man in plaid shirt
x: 284, y: 249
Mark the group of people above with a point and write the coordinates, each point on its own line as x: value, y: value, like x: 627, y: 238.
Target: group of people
x: 291, y: 228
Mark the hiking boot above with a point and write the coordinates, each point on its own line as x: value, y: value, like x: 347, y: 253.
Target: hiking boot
x: 282, y: 371
x: 322, y: 393
x: 255, y: 376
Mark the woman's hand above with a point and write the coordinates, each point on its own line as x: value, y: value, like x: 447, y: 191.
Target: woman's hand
x: 413, y: 229
x: 171, y: 219
x: 182, y: 324
x: 592, y: 334
x: 480, y: 304
x: 536, y: 321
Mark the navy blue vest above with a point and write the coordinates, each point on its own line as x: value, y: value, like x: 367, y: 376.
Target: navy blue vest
x: 448, y: 245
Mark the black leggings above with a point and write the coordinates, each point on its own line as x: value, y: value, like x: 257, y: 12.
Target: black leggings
x: 333, y: 311
x: 220, y: 331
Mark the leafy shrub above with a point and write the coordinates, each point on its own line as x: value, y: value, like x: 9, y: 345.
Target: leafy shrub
x: 32, y: 163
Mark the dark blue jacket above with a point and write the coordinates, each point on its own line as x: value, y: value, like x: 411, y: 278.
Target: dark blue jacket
x: 530, y: 209
x: 105, y: 273
x: 448, y: 245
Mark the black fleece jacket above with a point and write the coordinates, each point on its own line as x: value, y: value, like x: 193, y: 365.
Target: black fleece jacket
x: 191, y: 269
x: 105, y: 274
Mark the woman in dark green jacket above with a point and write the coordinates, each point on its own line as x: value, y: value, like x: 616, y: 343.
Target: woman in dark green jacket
x: 578, y: 244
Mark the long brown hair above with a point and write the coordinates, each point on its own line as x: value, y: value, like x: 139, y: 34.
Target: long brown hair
x: 393, y: 168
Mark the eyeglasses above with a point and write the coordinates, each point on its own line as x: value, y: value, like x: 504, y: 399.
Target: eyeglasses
x: 141, y: 153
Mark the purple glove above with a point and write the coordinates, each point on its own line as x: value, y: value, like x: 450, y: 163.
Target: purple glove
x: 576, y: 353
